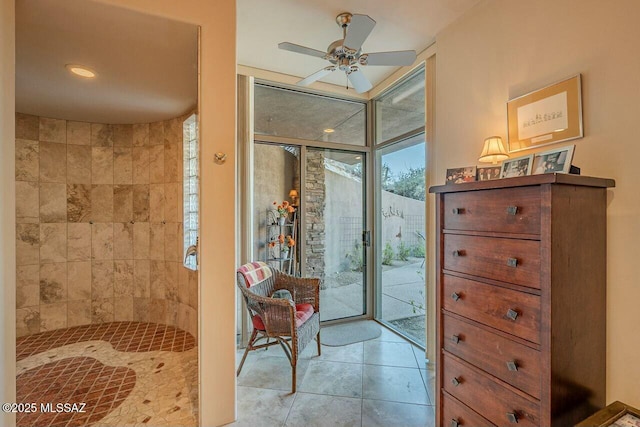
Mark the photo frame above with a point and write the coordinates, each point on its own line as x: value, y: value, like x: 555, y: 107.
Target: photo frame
x: 519, y: 166
x: 546, y: 116
x: 460, y: 175
x: 553, y: 161
x: 617, y: 414
x: 488, y: 173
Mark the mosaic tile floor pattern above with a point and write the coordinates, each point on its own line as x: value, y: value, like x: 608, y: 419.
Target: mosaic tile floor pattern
x: 75, y: 379
x: 127, y: 373
x: 124, y: 336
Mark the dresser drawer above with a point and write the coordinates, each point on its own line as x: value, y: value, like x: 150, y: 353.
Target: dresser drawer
x: 508, y: 360
x: 514, y: 312
x: 491, y: 399
x: 455, y: 414
x: 508, y: 210
x: 507, y: 260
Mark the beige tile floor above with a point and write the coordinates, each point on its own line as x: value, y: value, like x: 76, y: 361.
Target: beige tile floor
x: 382, y: 382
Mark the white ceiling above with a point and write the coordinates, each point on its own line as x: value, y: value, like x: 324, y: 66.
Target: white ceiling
x: 146, y: 65
x: 401, y: 25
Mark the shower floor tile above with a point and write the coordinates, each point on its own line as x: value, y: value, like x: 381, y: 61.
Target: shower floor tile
x: 125, y: 373
x: 124, y: 336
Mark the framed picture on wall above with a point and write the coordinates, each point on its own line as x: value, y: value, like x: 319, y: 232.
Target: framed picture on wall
x: 487, y: 173
x: 546, y: 116
x: 520, y: 166
x: 553, y: 161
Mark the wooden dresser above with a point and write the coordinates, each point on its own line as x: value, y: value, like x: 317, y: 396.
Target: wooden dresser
x: 521, y: 299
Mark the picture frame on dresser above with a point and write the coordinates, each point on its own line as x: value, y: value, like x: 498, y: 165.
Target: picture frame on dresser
x: 520, y: 166
x: 460, y: 175
x: 487, y: 173
x: 617, y: 414
x: 553, y: 161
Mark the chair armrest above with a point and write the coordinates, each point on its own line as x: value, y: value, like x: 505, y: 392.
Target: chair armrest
x: 304, y: 290
x: 278, y: 314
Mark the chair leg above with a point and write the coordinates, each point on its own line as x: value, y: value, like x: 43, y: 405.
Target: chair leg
x: 293, y: 377
x: 246, y: 351
x: 319, y: 346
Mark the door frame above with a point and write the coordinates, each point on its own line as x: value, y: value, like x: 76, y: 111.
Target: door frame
x: 247, y: 138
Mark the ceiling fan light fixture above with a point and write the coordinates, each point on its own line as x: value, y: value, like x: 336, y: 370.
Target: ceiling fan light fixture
x: 81, y: 70
x: 346, y: 54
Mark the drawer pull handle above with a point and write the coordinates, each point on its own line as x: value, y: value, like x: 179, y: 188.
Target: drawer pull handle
x: 458, y: 253
x: 455, y: 339
x: 512, y: 314
x: 513, y: 418
x: 455, y: 381
x: 512, y: 210
x: 512, y: 262
x: 455, y: 296
x: 457, y: 211
x: 512, y: 366
x: 454, y: 423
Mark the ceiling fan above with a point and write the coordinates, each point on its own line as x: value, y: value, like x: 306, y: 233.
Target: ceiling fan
x: 346, y: 54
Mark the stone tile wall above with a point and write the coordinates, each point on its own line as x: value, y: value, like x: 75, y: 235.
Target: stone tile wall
x: 99, y: 225
x: 315, y: 225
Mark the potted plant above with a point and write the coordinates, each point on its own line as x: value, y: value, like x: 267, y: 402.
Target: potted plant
x: 283, y: 210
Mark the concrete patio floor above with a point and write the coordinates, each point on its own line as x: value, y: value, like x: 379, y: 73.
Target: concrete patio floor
x: 402, y: 297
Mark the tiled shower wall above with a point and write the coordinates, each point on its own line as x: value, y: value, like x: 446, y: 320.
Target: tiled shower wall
x: 99, y: 225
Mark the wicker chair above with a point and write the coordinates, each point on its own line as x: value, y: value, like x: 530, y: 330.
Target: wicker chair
x: 292, y: 324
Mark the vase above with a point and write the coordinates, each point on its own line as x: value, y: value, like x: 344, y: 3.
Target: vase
x: 284, y: 254
x: 282, y: 220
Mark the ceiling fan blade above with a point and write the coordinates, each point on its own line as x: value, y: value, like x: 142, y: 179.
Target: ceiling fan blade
x: 358, y: 31
x: 316, y: 76
x: 359, y: 81
x: 399, y: 57
x: 292, y: 47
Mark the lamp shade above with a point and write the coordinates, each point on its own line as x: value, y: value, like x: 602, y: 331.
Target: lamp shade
x: 293, y: 193
x: 493, y: 151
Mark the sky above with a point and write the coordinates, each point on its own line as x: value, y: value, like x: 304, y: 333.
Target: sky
x: 401, y: 161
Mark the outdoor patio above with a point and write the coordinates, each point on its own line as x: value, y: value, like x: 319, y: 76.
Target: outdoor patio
x: 403, y: 298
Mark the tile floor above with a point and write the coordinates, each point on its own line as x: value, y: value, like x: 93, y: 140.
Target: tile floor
x: 381, y: 382
x: 127, y: 373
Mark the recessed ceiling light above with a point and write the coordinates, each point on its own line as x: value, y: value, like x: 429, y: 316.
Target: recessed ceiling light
x: 329, y: 130
x: 81, y: 71
x: 358, y: 157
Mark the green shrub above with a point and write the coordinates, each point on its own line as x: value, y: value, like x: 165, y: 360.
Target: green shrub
x: 355, y: 257
x: 387, y: 254
x: 418, y: 251
x: 403, y: 251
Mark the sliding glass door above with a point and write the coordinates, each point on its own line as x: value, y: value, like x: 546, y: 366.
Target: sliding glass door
x: 400, y: 195
x: 401, y: 237
x: 334, y: 222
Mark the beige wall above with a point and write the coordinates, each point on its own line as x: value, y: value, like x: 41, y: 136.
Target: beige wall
x: 217, y: 292
x: 504, y: 48
x: 7, y: 210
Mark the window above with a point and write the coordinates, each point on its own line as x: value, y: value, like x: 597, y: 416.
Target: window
x: 400, y: 192
x: 191, y: 183
x: 401, y: 109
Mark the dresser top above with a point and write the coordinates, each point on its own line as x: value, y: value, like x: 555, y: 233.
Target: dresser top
x: 550, y: 178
